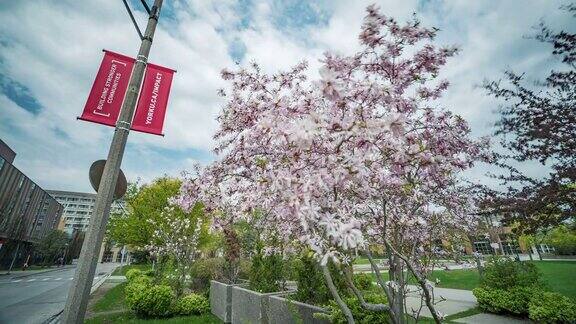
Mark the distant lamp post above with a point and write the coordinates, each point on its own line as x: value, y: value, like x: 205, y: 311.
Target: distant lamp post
x: 65, y: 252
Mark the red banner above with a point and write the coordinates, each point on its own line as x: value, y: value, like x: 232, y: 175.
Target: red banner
x: 105, y: 99
x: 151, y: 109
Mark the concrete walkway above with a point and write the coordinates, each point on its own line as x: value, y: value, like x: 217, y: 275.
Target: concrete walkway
x: 456, y: 301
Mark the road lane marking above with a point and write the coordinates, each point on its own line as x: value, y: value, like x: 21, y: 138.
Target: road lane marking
x: 71, y: 278
x: 17, y: 280
x: 57, y: 278
x: 45, y: 279
x: 29, y: 280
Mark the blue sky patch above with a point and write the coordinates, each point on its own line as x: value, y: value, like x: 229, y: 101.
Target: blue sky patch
x: 299, y: 14
x: 20, y: 94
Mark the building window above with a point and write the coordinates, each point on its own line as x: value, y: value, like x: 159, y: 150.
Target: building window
x: 510, y: 247
x: 483, y: 247
x: 544, y: 248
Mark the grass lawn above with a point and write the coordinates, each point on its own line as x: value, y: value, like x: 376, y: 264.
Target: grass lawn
x: 364, y: 260
x: 455, y: 279
x: 121, y: 271
x: 112, y: 300
x: 558, y: 275
x: 130, y: 318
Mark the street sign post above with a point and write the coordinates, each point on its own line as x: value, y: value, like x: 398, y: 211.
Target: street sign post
x: 77, y: 300
x: 95, y: 174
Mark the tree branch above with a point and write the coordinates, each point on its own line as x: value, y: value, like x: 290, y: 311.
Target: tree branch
x: 334, y: 292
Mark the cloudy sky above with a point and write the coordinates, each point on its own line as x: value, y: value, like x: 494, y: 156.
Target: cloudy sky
x: 50, y: 52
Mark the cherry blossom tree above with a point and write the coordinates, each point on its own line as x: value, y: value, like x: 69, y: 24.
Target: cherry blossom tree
x: 360, y: 157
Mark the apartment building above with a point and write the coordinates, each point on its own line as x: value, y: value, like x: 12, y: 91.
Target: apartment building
x: 27, y: 212
x: 78, y: 208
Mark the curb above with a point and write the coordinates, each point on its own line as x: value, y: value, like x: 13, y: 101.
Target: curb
x: 35, y: 273
x: 56, y: 317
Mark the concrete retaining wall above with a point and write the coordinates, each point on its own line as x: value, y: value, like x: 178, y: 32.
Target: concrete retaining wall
x: 250, y: 306
x: 221, y: 300
x: 285, y: 311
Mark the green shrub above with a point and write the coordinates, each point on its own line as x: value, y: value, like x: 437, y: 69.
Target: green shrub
x: 135, y: 287
x: 563, y: 239
x: 150, y: 301
x: 133, y: 293
x: 552, y: 307
x: 312, y: 287
x: 133, y: 273
x: 361, y: 315
x: 363, y: 281
x: 149, y: 273
x: 267, y: 272
x: 503, y: 273
x: 192, y: 304
x: 204, y: 270
x: 143, y: 280
x: 244, y: 267
x: 512, y: 301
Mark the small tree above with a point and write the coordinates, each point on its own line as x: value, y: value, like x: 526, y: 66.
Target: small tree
x: 563, y: 239
x: 52, y: 246
x: 144, y: 202
x: 538, y: 120
x: 177, y: 238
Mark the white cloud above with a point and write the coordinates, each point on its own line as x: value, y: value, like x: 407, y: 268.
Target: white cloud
x: 53, y: 48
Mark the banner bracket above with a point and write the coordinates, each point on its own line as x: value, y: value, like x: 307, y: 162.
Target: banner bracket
x: 120, y: 122
x: 142, y: 59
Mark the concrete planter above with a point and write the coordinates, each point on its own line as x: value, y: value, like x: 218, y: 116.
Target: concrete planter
x: 221, y: 300
x: 250, y: 306
x: 285, y: 311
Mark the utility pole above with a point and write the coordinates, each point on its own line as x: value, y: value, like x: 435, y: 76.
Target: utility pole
x: 79, y: 293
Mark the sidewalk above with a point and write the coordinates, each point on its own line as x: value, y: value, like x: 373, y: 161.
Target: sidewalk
x: 456, y: 301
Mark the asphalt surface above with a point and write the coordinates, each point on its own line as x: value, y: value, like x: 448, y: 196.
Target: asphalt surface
x: 36, y: 298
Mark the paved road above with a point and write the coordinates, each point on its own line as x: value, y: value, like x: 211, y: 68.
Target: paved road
x: 35, y: 298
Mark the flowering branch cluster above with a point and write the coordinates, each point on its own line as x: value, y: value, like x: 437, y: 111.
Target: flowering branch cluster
x: 177, y: 237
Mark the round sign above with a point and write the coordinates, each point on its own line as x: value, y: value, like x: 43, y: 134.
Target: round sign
x: 96, y: 170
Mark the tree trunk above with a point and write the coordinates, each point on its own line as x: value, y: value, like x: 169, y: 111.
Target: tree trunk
x: 399, y: 297
x: 231, y: 254
x: 479, y: 266
x: 428, y: 297
x: 349, y: 276
x: 383, y: 285
x: 334, y: 292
